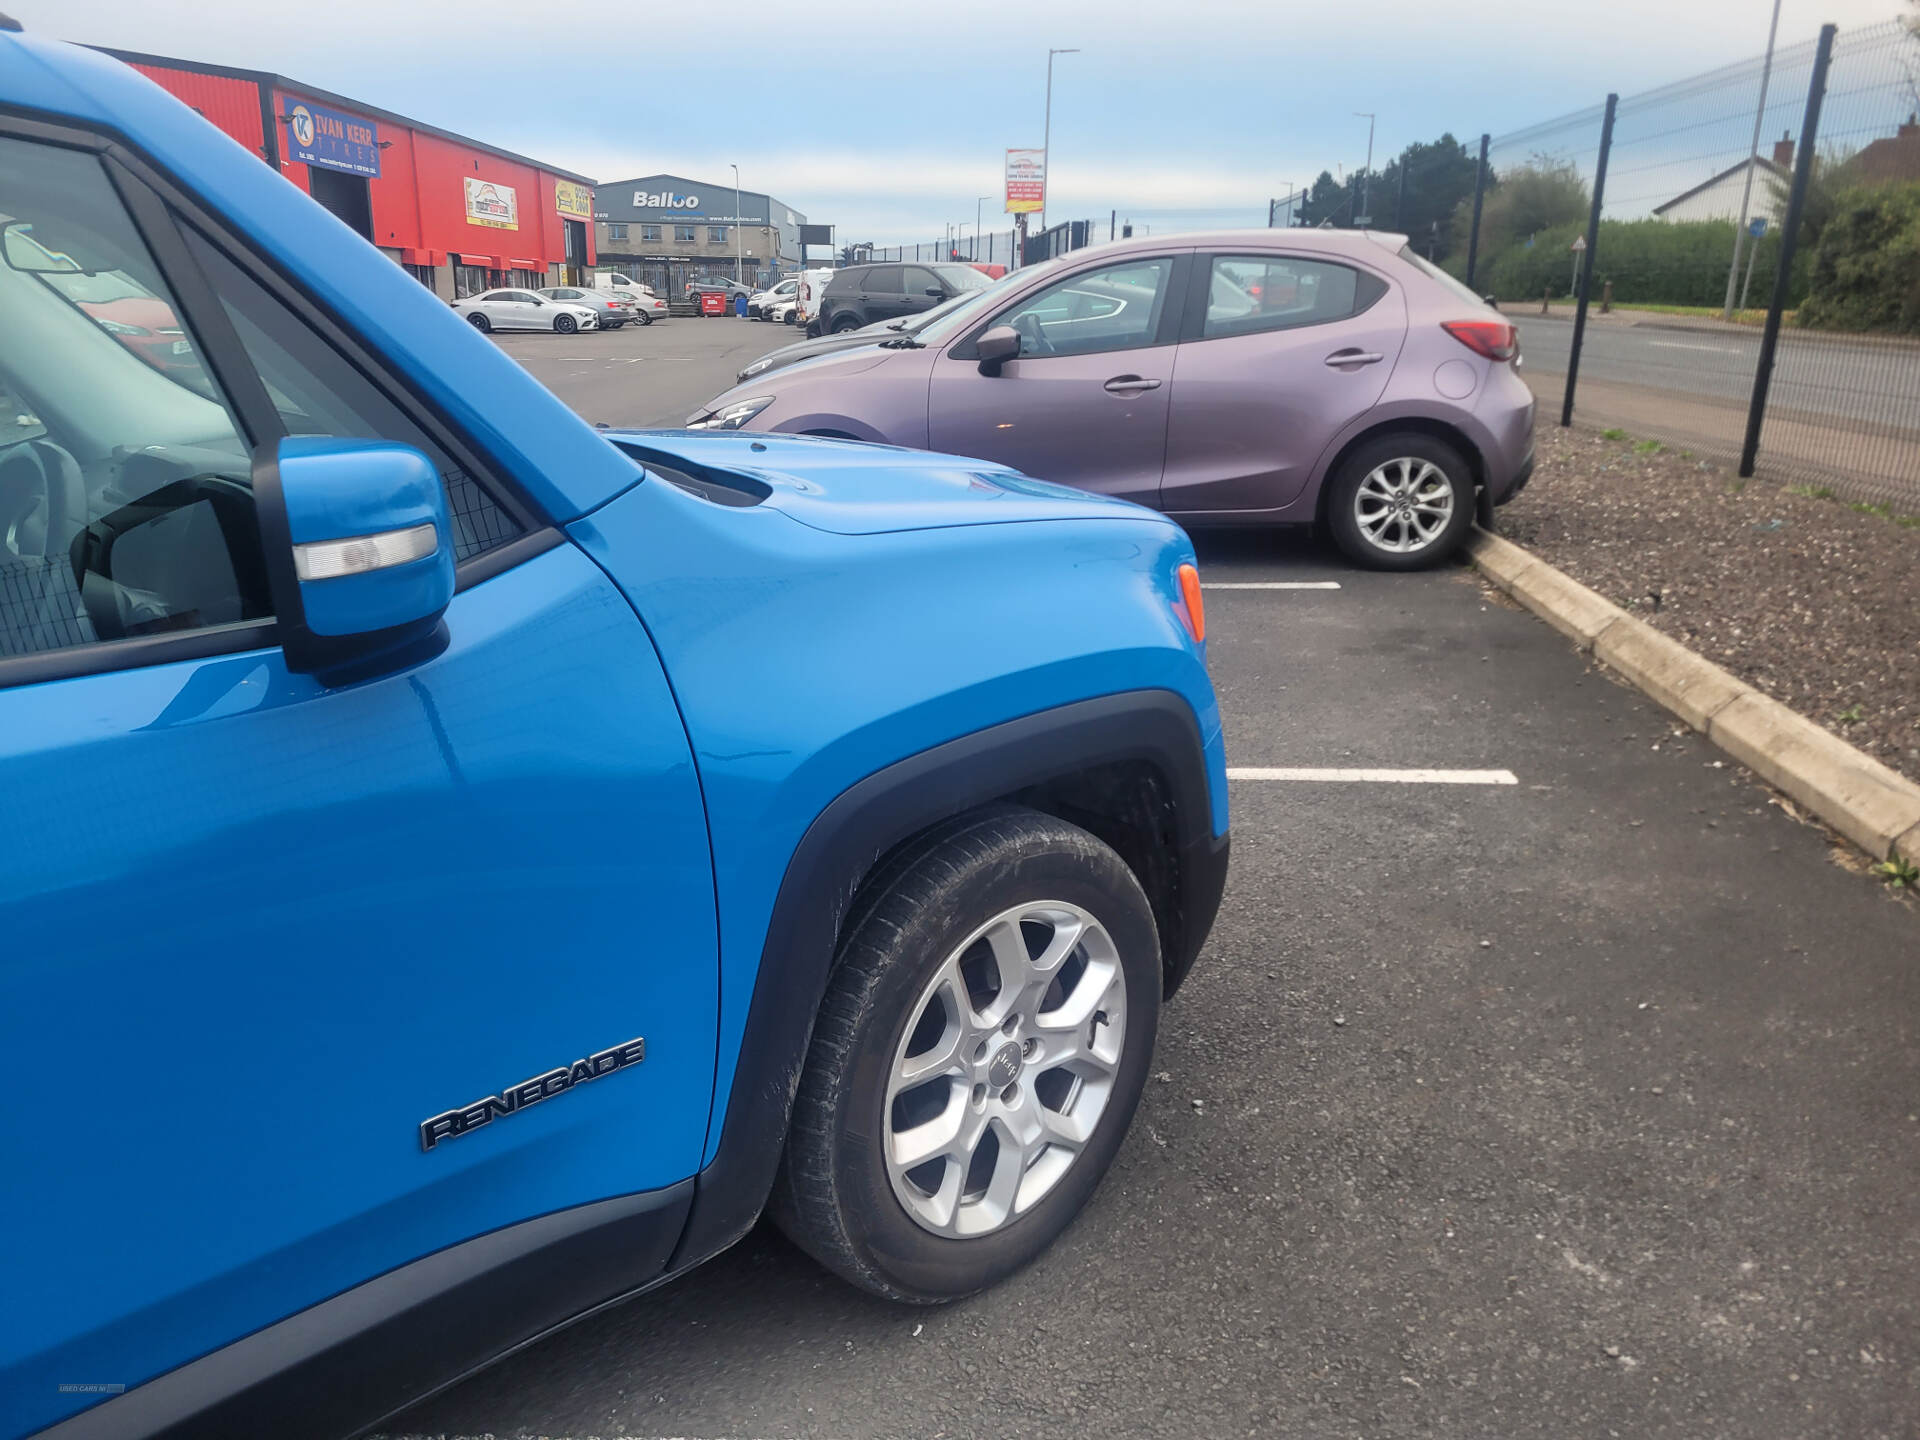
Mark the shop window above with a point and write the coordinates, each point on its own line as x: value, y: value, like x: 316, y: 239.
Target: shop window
x: 470, y: 280
x: 422, y: 273
x: 526, y: 279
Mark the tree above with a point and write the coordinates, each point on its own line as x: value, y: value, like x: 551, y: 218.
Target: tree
x: 1526, y: 199
x: 856, y: 254
x: 1326, y: 202
x: 1440, y: 176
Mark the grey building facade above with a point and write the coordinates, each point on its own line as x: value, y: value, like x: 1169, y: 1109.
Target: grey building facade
x: 663, y: 230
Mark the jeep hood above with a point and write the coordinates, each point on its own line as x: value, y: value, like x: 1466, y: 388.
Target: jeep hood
x: 851, y: 488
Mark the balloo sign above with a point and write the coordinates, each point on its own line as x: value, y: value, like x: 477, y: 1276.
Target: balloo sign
x: 664, y: 200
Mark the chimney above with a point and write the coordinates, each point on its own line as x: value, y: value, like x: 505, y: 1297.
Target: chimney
x: 1911, y: 126
x: 1783, y: 152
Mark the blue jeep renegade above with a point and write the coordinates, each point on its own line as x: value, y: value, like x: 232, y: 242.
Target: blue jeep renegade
x: 460, y: 867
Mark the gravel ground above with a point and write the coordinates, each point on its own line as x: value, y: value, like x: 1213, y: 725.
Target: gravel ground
x: 1805, y: 598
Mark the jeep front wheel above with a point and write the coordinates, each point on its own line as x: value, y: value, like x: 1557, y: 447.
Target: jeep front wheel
x: 977, y: 1060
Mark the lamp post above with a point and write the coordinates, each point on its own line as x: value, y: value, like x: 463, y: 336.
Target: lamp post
x: 1753, y: 163
x: 1366, y: 178
x: 737, y: 266
x: 975, y: 252
x: 1046, y: 140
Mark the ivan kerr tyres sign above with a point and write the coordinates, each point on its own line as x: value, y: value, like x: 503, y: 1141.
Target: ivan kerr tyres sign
x: 339, y: 142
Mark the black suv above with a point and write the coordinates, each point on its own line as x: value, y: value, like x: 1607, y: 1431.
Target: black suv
x: 862, y: 294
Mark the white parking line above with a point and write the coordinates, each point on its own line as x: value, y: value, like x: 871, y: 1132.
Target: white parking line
x: 1270, y: 585
x: 1377, y: 777
x: 1706, y: 349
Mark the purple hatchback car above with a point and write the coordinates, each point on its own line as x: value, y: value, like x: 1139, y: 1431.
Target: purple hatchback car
x: 1262, y: 377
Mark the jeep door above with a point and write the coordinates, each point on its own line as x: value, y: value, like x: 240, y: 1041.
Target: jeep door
x: 256, y: 929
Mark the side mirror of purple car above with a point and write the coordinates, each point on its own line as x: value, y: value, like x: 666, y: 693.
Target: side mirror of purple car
x: 996, y: 347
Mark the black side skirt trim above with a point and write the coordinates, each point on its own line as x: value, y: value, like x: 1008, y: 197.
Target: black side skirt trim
x: 348, y: 1362
x: 867, y: 822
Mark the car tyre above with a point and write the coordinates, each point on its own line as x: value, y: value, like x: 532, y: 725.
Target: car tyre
x: 565, y: 324
x: 843, y: 323
x: 941, y: 931
x: 1401, y: 501
x: 479, y: 322
x: 644, y: 318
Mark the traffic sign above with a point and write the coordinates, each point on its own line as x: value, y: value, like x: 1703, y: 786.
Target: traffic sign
x: 1757, y: 226
x: 1579, y: 244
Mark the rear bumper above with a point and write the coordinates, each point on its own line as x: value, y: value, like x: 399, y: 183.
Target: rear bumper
x: 1520, y: 478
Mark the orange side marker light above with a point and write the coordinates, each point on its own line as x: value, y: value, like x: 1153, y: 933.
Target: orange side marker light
x: 1192, y: 609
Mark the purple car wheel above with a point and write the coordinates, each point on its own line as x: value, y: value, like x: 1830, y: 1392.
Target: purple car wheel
x: 1401, y: 502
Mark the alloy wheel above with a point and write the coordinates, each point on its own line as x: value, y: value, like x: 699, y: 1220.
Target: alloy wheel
x: 1007, y: 1064
x: 1403, y: 505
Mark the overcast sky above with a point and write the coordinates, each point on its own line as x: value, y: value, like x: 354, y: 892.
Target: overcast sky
x: 891, y: 122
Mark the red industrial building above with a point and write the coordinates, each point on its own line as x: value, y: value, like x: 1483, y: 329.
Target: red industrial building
x: 460, y: 215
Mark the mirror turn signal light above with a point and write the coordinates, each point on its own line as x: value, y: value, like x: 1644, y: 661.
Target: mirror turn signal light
x: 1191, y: 609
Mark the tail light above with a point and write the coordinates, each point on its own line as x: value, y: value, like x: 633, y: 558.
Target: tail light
x: 1495, y: 339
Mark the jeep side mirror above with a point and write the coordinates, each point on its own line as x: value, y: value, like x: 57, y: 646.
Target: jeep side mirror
x: 996, y: 347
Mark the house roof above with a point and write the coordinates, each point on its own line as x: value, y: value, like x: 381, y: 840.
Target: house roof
x: 1758, y: 161
x: 1890, y: 158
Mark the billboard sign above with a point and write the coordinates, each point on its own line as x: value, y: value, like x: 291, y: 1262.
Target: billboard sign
x: 573, y: 201
x: 339, y: 142
x: 491, y: 204
x: 1026, y: 180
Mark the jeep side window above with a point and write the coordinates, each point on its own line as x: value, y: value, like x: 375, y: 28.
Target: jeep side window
x: 126, y: 502
x: 319, y: 392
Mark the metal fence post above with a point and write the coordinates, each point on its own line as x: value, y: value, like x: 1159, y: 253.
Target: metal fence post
x: 1586, y: 265
x: 1479, y: 194
x: 1400, y: 197
x: 1790, y: 232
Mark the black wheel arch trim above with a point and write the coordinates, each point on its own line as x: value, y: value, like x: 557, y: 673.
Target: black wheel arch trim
x: 869, y: 821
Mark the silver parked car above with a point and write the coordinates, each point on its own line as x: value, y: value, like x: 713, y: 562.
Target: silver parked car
x: 608, y: 311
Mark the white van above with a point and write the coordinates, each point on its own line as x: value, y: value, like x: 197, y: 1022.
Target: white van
x: 806, y: 303
x: 614, y: 283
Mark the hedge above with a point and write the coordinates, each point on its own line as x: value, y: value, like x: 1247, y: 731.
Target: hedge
x: 1650, y: 262
x: 1865, y: 273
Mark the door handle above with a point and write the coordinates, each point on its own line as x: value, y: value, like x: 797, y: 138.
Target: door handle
x: 1354, y: 357
x: 1129, y: 385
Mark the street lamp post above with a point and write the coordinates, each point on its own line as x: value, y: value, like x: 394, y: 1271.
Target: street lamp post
x: 1366, y: 178
x: 1046, y: 140
x: 975, y: 252
x: 1753, y: 161
x: 737, y: 266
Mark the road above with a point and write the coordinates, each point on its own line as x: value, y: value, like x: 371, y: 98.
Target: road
x: 1580, y: 1106
x: 1846, y: 410
x: 1840, y: 379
